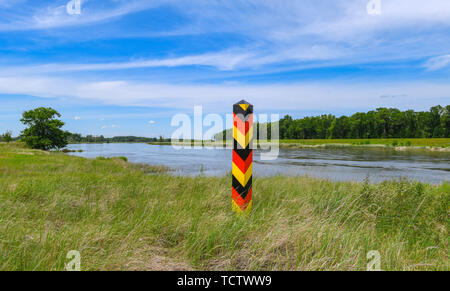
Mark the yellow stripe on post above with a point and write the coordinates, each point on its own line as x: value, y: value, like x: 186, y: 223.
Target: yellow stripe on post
x: 243, y: 140
x: 244, y: 106
x: 238, y: 210
x: 240, y: 176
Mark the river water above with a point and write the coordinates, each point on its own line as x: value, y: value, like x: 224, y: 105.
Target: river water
x: 340, y: 164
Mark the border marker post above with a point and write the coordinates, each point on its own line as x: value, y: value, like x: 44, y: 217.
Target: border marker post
x: 242, y: 169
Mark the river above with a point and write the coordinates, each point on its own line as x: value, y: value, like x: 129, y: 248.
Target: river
x: 339, y: 164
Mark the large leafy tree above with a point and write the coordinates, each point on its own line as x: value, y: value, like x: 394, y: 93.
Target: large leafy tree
x: 44, y: 129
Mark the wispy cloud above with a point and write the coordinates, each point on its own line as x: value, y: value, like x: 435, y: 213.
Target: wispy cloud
x: 278, y: 31
x: 438, y: 63
x: 227, y: 60
x: 394, y: 96
x: 268, y: 19
x: 260, y: 35
x: 299, y: 96
x: 109, y: 126
x: 54, y: 15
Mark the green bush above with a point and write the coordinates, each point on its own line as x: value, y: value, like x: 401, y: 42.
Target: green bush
x: 6, y: 137
x: 123, y: 158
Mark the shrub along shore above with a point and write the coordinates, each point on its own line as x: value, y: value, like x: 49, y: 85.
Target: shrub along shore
x: 122, y: 216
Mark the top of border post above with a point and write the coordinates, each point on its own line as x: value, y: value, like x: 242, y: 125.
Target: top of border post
x: 243, y: 107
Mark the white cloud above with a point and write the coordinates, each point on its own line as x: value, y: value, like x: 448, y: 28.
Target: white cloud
x: 301, y: 96
x: 110, y: 126
x: 275, y: 31
x: 225, y: 60
x: 270, y: 19
x: 151, y: 122
x: 10, y: 3
x: 36, y: 17
x: 438, y: 63
x: 77, y: 118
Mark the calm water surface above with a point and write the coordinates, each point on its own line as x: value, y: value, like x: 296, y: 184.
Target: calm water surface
x: 344, y: 164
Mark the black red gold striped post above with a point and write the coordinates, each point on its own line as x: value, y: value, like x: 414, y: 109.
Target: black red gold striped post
x: 242, y: 157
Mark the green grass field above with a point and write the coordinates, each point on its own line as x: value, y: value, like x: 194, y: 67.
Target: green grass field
x: 121, y: 216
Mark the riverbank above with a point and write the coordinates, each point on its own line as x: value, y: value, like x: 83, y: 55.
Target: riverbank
x: 433, y: 144
x: 120, y: 218
x: 402, y: 144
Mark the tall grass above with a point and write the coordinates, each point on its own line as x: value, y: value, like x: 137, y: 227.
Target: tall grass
x: 121, y: 218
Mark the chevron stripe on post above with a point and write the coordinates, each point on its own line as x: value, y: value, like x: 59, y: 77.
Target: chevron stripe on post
x: 242, y: 157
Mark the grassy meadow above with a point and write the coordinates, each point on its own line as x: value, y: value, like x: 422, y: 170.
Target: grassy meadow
x: 122, y: 216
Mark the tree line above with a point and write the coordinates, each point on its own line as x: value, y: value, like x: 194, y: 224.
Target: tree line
x: 78, y: 138
x: 379, y: 123
x: 44, y: 128
x: 44, y: 131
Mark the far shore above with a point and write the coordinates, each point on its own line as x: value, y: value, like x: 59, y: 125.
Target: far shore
x: 431, y: 144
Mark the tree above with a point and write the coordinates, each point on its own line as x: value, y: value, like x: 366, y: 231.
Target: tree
x: 74, y: 138
x: 445, y: 122
x: 44, y: 129
x: 380, y: 123
x: 7, y: 136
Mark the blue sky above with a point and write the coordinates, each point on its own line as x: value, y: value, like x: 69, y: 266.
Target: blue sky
x: 126, y: 67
